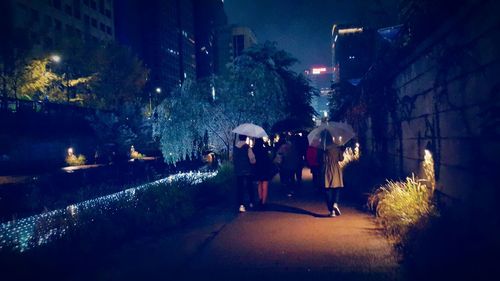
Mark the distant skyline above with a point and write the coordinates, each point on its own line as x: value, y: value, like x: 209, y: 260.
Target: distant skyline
x: 303, y: 27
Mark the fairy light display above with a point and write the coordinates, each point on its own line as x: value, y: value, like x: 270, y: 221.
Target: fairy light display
x: 30, y: 232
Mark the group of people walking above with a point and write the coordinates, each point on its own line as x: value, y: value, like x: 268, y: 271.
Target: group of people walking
x: 260, y: 163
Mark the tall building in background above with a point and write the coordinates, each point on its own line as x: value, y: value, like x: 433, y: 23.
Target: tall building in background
x: 321, y: 80
x: 210, y: 20
x: 233, y: 41
x: 51, y: 21
x: 351, y: 57
x: 162, y: 34
x: 243, y: 38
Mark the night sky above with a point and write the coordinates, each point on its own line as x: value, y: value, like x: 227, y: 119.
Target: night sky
x: 303, y: 27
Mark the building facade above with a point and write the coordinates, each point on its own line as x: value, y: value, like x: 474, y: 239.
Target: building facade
x: 210, y: 19
x: 243, y: 38
x: 350, y: 56
x: 232, y: 41
x: 49, y: 22
x: 162, y: 34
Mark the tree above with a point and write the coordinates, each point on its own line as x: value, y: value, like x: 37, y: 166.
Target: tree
x: 258, y: 88
x: 118, y: 76
x: 39, y: 81
x: 298, y: 91
x: 251, y: 92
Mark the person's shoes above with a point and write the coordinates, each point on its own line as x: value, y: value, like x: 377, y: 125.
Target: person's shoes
x: 242, y: 209
x: 336, y: 210
x: 332, y: 214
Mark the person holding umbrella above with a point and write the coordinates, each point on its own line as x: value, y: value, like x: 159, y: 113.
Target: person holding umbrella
x: 244, y: 160
x: 329, y: 138
x: 264, y: 170
x: 332, y: 174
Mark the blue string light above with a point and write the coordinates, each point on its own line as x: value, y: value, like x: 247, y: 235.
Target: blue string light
x: 30, y: 232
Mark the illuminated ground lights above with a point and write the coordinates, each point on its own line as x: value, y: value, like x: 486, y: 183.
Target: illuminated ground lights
x: 27, y: 233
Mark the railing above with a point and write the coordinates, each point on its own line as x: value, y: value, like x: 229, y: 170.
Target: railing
x: 12, y: 105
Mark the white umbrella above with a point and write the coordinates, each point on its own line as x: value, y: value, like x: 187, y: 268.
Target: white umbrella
x: 251, y: 130
x: 333, y: 132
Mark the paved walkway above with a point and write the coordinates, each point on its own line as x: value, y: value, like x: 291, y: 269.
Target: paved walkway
x: 292, y: 239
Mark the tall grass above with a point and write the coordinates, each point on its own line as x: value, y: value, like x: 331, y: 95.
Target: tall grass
x: 401, y: 205
x: 350, y: 155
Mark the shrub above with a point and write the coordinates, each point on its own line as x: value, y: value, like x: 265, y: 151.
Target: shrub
x: 136, y: 155
x: 74, y: 160
x: 401, y: 205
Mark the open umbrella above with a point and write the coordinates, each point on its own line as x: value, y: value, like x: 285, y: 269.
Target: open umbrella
x: 251, y: 130
x: 331, y: 132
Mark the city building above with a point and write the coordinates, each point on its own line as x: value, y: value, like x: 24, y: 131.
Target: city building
x: 321, y: 80
x: 232, y: 41
x: 48, y: 22
x: 351, y: 57
x: 243, y: 38
x: 162, y: 34
x: 210, y: 20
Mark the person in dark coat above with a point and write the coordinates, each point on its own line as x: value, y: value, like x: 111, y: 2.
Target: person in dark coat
x: 264, y: 169
x: 243, y: 160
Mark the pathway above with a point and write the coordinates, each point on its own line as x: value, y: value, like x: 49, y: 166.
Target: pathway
x: 292, y: 239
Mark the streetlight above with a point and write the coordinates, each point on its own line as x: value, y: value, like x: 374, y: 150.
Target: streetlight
x: 55, y: 58
x: 158, y: 91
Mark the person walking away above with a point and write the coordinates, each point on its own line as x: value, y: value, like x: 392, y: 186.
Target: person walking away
x: 281, y: 154
x: 289, y: 164
x: 312, y: 159
x: 298, y: 154
x: 264, y: 170
x: 243, y: 160
x: 333, y: 180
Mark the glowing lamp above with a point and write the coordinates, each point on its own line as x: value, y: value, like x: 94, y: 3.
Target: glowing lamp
x: 318, y: 70
x: 55, y: 58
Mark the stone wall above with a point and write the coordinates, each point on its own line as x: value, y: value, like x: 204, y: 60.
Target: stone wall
x: 448, y: 93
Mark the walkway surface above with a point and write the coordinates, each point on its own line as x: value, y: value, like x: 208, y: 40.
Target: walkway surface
x: 293, y: 239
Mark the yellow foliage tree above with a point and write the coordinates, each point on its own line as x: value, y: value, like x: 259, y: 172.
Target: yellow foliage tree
x: 37, y: 79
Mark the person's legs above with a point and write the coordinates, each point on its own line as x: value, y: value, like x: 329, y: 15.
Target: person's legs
x: 298, y: 175
x: 249, y: 187
x: 316, y: 177
x: 290, y: 182
x: 283, y: 177
x: 265, y: 184
x: 336, y: 196
x: 259, y: 190
x: 329, y: 199
x: 240, y: 192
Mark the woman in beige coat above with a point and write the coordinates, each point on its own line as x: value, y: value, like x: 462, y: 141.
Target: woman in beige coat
x: 333, y: 177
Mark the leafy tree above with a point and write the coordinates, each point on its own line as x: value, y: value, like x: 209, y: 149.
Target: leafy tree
x: 250, y: 93
x: 258, y: 88
x: 38, y: 80
x: 298, y: 91
x: 118, y: 76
